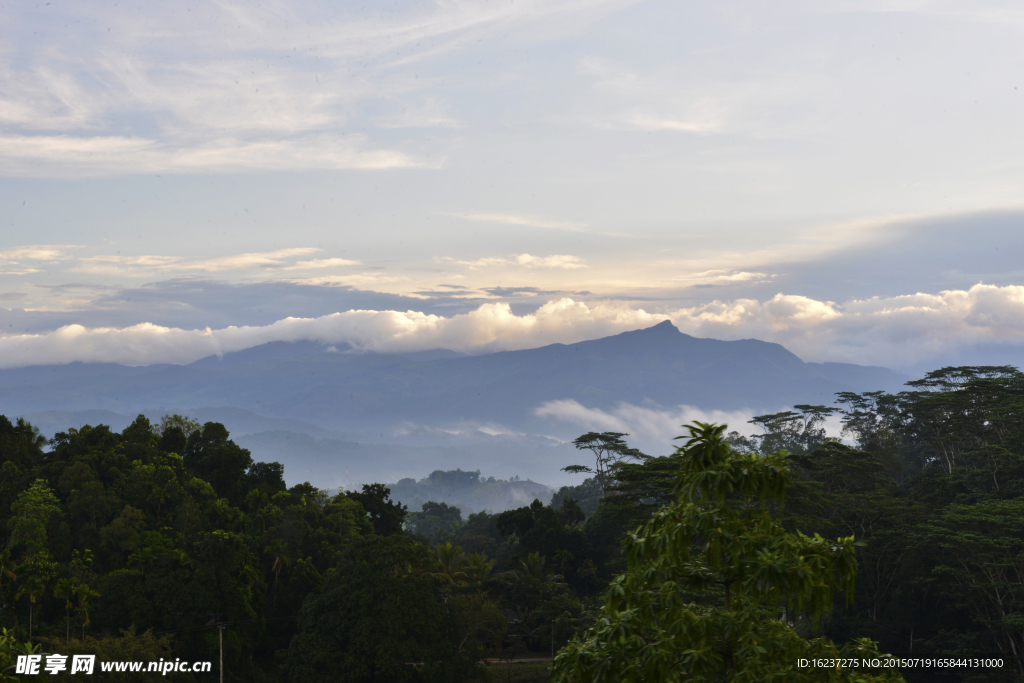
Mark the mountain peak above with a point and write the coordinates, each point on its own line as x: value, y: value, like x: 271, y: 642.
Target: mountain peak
x: 663, y: 326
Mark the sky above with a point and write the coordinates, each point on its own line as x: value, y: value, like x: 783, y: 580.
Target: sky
x: 182, y: 179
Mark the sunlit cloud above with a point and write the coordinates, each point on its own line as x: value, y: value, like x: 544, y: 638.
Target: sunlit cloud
x: 556, y: 261
x: 12, y: 259
x: 892, y: 331
x: 112, y: 264
x: 37, y: 253
x: 722, y: 277
x: 322, y: 263
x: 564, y: 261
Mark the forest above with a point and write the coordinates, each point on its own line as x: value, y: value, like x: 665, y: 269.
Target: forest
x: 902, y: 535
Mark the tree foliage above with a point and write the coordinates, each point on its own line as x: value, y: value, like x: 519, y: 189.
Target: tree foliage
x: 661, y: 619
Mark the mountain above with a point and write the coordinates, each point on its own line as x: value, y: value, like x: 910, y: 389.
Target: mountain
x: 438, y: 400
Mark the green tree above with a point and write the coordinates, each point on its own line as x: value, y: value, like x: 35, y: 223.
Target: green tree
x: 708, y: 577
x: 36, y: 573
x: 378, y: 619
x: 33, y: 511
x: 978, y: 552
x: 451, y: 564
x: 609, y: 451
x: 10, y: 649
x: 214, y: 457
x: 386, y: 515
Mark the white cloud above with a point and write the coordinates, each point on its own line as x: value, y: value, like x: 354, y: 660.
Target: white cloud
x: 76, y: 156
x: 558, y: 261
x: 722, y: 277
x: 12, y: 259
x: 645, y: 424
x: 231, y: 87
x: 491, y: 327
x: 39, y: 252
x: 322, y: 263
x: 358, y: 280
x: 894, y: 332
x: 564, y: 261
x: 143, y: 265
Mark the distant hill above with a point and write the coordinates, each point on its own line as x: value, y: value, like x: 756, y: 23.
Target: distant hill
x: 469, y: 491
x: 435, y: 400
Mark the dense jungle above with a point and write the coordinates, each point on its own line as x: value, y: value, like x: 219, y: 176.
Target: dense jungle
x: 156, y: 541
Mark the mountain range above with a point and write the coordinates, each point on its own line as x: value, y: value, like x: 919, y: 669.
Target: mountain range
x: 344, y: 418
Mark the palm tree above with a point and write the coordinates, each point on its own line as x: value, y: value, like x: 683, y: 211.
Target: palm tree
x: 85, y: 594
x: 478, y: 567
x: 451, y: 564
x: 66, y: 589
x: 280, y: 562
x: 32, y: 587
x: 532, y: 567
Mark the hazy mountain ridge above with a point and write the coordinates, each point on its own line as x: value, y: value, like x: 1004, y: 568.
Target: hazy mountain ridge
x: 396, y: 416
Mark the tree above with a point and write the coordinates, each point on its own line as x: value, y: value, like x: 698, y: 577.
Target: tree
x: 436, y: 522
x: 378, y: 620
x: 386, y: 515
x: 65, y: 589
x: 451, y: 564
x: 20, y: 443
x: 212, y: 456
x: 187, y: 425
x: 33, y: 510
x: 7, y: 566
x: 713, y: 584
x: 609, y: 450
x: 978, y: 552
x: 36, y: 573
x: 10, y: 649
x: 478, y: 567
x: 795, y: 432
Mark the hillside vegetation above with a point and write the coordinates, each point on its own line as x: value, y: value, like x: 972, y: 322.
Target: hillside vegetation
x: 138, y: 544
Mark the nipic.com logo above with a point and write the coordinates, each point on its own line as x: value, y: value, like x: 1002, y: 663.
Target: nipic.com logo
x: 32, y: 665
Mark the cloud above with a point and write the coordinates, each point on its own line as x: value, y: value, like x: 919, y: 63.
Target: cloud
x: 490, y: 327
x: 650, y: 425
x: 322, y: 263
x: 516, y: 291
x: 559, y: 261
x: 11, y: 260
x: 512, y: 219
x: 358, y: 280
x: 431, y: 112
x: 896, y: 331
x: 43, y: 252
x: 639, y: 100
x: 227, y: 87
x: 710, y: 278
x: 76, y: 156
x: 655, y: 123
x: 147, y: 263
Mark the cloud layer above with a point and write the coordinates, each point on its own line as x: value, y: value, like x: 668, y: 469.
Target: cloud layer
x: 895, y: 332
x: 644, y: 424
